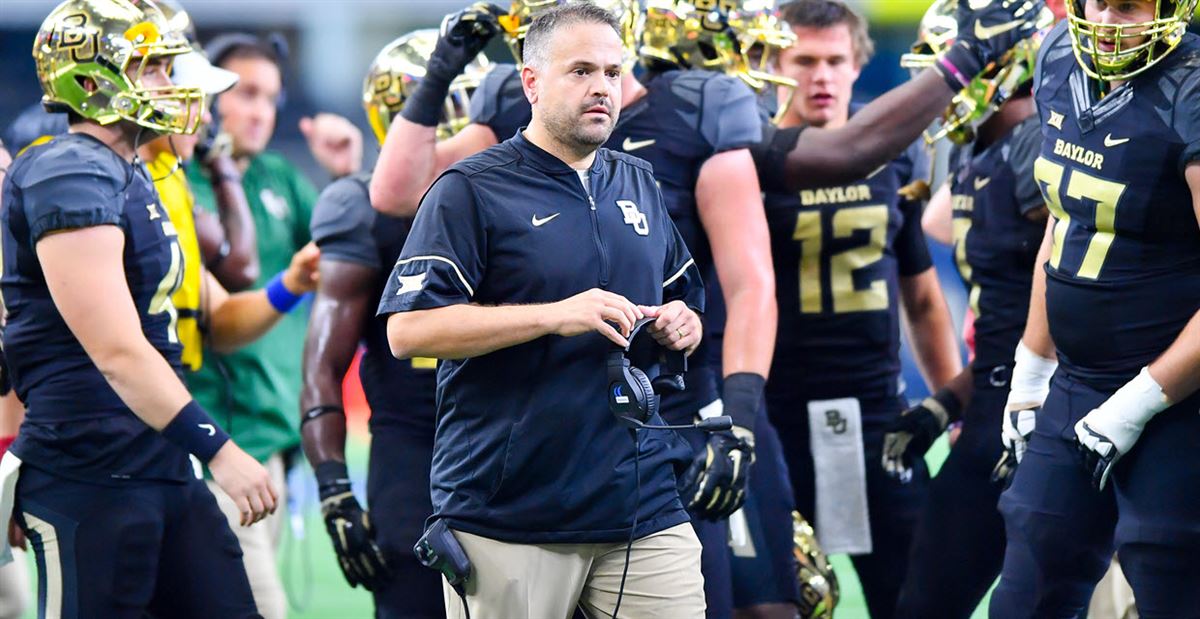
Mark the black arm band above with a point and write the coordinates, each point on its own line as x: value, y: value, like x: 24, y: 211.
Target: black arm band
x: 319, y: 410
x: 195, y: 432
x: 427, y: 102
x: 742, y: 396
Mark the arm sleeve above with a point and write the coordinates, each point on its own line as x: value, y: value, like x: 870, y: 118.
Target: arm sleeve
x: 70, y: 192
x: 443, y: 259
x: 1026, y: 145
x: 500, y: 104
x: 729, y: 114
x: 912, y: 254
x: 342, y: 224
x: 770, y: 154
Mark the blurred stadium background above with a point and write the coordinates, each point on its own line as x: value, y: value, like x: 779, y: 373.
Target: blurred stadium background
x: 331, y: 43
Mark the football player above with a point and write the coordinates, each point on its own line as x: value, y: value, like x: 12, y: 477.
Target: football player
x: 1115, y: 299
x: 117, y: 518
x: 358, y: 247
x: 847, y: 257
x: 998, y: 219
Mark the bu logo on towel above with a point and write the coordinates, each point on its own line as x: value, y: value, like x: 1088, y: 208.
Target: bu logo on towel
x: 835, y: 421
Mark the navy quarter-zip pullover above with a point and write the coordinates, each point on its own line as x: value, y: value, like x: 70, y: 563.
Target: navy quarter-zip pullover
x: 526, y: 449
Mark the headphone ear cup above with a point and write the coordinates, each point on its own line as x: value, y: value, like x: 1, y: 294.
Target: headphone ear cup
x: 642, y: 382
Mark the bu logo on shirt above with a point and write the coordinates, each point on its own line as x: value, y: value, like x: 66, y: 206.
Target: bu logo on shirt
x: 634, y: 217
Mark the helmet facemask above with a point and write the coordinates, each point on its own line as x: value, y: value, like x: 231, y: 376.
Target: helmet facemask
x: 1137, y: 46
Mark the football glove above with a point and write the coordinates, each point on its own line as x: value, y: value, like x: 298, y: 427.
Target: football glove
x: 1110, y: 431
x: 986, y: 30
x: 463, y: 35
x: 349, y: 527
x: 714, y: 486
x: 1027, y: 390
x: 912, y: 434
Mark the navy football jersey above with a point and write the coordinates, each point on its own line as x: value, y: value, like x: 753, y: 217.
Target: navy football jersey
x: 500, y: 103
x: 75, y: 424
x: 995, y: 242
x: 1124, y: 275
x: 685, y: 118
x: 346, y: 228
x: 839, y: 253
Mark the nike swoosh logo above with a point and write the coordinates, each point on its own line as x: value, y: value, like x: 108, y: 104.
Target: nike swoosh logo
x: 629, y: 144
x: 537, y: 223
x: 207, y: 426
x: 986, y: 32
x: 980, y: 183
x: 1110, y: 142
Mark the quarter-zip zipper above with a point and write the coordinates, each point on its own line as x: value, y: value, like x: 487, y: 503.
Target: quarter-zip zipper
x: 601, y: 248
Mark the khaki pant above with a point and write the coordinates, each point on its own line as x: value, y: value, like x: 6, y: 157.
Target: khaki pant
x: 514, y: 581
x: 1113, y: 598
x: 15, y: 590
x: 259, y: 542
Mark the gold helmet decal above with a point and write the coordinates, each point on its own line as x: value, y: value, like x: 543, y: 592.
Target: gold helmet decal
x: 91, y: 56
x: 395, y: 72
x: 1117, y: 52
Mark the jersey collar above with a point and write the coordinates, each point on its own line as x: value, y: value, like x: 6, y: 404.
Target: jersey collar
x: 543, y: 160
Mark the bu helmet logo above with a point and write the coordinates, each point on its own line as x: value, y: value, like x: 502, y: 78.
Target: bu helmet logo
x: 634, y: 217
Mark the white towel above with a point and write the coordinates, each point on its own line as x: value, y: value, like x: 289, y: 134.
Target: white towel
x: 10, y: 467
x: 842, y: 520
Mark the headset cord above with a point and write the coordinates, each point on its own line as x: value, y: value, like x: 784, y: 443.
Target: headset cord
x: 637, y: 500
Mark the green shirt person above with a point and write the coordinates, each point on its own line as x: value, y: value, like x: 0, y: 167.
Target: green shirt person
x: 254, y: 393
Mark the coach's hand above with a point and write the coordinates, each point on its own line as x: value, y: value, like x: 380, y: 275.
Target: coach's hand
x: 349, y: 527
x: 987, y: 29
x: 714, y: 486
x: 246, y: 481
x: 913, y: 433
x: 676, y: 326
x: 593, y: 310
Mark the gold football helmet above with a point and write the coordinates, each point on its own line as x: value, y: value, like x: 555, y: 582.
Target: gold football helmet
x: 395, y: 72
x: 110, y: 44
x: 819, y: 591
x: 1136, y: 46
x: 735, y: 37
x: 522, y: 12
x: 984, y: 94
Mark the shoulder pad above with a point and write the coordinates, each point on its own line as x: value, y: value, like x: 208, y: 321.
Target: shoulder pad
x: 343, y: 220
x: 74, y: 156
x: 729, y: 116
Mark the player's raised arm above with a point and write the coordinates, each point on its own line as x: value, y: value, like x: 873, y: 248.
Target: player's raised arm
x: 882, y: 129
x: 411, y: 156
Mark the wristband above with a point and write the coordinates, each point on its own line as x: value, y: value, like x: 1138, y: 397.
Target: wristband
x: 282, y: 299
x: 958, y: 66
x: 195, y: 432
x: 332, y: 478
x: 426, y: 105
x: 6, y: 442
x: 1030, y: 376
x: 945, y: 405
x: 1138, y: 401
x: 742, y: 394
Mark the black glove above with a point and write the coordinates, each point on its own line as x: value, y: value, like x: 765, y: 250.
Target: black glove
x: 912, y: 434
x: 350, y: 528
x: 986, y: 30
x: 463, y: 35
x: 714, y: 486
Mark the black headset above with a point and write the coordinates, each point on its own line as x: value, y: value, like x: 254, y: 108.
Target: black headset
x: 633, y: 397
